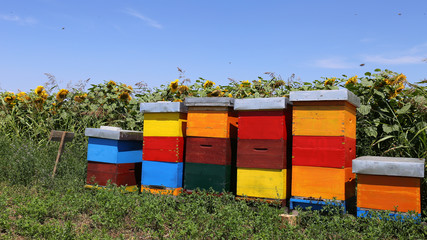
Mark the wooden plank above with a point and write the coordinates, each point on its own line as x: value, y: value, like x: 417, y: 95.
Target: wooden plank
x: 206, y: 176
x: 162, y: 191
x: 120, y: 174
x: 163, y: 149
x: 273, y: 124
x: 262, y: 183
x: 324, y: 120
x: 389, y: 193
x: 164, y: 124
x: 214, y: 124
x: 323, y: 183
x: 321, y: 151
x: 262, y: 153
x: 221, y: 151
x: 56, y: 136
x: 163, y: 174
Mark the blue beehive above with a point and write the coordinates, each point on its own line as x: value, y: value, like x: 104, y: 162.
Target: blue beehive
x: 165, y: 174
x: 113, y: 145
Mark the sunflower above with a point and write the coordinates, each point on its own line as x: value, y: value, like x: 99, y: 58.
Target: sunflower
x: 80, y: 98
x: 399, y: 79
x: 10, y: 98
x: 230, y: 95
x: 246, y: 83
x: 61, y: 95
x: 183, y: 89
x: 44, y: 95
x: 329, y: 81
x: 39, y: 90
x: 174, y: 85
x: 23, y: 96
x: 177, y: 100
x: 279, y: 83
x: 398, y: 90
x: 125, y: 96
x: 352, y: 80
x: 208, y: 84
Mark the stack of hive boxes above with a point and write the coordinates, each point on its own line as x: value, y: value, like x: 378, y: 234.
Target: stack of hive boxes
x: 164, y: 137
x: 388, y: 183
x: 211, y: 144
x: 263, y: 169
x: 114, y: 155
x: 324, y: 142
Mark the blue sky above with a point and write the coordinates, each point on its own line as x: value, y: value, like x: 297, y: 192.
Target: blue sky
x: 131, y: 41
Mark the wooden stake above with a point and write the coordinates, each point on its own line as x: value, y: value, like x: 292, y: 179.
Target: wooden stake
x: 61, y: 147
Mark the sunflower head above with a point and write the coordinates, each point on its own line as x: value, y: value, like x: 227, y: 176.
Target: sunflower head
x: 125, y: 96
x: 352, y: 80
x: 230, y: 95
x: 183, y: 89
x: 10, y: 98
x: 61, y: 95
x: 80, y: 98
x: 174, y: 85
x: 39, y: 90
x: 329, y: 81
x: 399, y: 79
x: 177, y: 100
x: 208, y: 84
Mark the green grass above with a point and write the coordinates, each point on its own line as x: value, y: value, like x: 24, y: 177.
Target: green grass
x: 32, y: 205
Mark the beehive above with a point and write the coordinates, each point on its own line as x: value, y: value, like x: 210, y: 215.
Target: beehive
x: 164, y: 132
x: 263, y: 145
x: 388, y: 183
x: 114, y: 155
x: 210, y: 144
x: 324, y: 143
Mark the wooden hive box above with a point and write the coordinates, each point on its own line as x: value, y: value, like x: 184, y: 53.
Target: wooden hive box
x: 163, y: 149
x: 264, y: 118
x: 165, y: 174
x: 211, y: 117
x: 205, y: 176
x: 220, y: 151
x: 121, y: 174
x: 262, y: 153
x: 164, y: 119
x: 323, y: 151
x: 389, y: 183
x: 322, y: 182
x: 112, y: 145
x: 324, y: 113
x: 263, y: 183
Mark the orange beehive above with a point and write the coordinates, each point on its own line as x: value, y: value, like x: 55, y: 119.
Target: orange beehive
x: 323, y: 183
x: 388, y: 183
x: 214, y: 124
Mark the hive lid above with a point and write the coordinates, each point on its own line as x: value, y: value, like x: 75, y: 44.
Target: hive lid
x: 325, y: 95
x: 209, y: 102
x: 261, y: 103
x: 113, y: 133
x: 389, y: 166
x: 163, y: 107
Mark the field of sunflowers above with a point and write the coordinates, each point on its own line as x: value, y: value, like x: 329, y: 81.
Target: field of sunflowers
x: 392, y: 121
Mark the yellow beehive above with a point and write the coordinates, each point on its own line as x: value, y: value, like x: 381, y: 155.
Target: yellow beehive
x: 218, y: 124
x: 164, y: 124
x: 323, y: 182
x: 263, y: 183
x: 333, y: 118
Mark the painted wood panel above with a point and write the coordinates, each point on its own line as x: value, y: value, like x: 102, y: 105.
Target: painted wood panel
x: 324, y: 119
x: 164, y: 124
x: 163, y: 174
x: 206, y: 176
x: 320, y: 151
x: 162, y: 191
x: 262, y: 153
x: 323, y: 183
x: 114, y: 151
x: 163, y: 149
x: 274, y: 124
x: 388, y: 193
x: 263, y: 183
x: 214, y: 124
x: 120, y: 174
x: 221, y: 151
